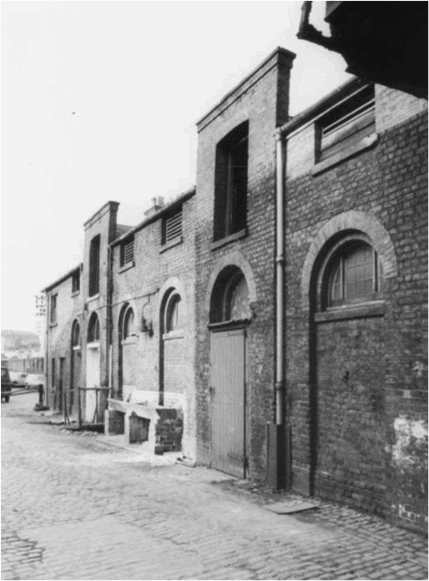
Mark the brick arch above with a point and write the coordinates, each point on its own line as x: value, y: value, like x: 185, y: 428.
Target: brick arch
x: 131, y: 303
x: 347, y: 221
x: 171, y: 283
x: 233, y: 259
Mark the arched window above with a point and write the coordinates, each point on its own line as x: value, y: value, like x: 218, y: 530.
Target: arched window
x: 93, y: 328
x: 230, y: 297
x: 76, y: 335
x: 173, y: 313
x: 353, y: 274
x: 128, y: 323
x: 236, y: 300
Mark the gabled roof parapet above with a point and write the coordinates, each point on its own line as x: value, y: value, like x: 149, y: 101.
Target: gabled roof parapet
x: 279, y: 57
x: 108, y: 206
x: 153, y: 217
x: 62, y: 278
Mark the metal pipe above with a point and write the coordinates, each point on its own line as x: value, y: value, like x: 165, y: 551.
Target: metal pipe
x: 46, y: 349
x: 109, y: 324
x: 280, y: 262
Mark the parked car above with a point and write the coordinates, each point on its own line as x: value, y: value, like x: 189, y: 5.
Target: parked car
x: 18, y: 377
x: 5, y: 384
x: 34, y: 380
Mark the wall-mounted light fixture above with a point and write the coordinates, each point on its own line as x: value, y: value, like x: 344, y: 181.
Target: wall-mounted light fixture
x: 146, y: 326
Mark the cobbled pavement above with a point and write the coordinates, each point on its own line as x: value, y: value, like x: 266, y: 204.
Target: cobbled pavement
x: 74, y: 508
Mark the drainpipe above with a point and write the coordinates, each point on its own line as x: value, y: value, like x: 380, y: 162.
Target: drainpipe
x: 109, y: 350
x: 280, y: 263
x: 278, y: 473
x: 46, y: 398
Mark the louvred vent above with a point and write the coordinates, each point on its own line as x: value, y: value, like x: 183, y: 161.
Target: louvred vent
x: 129, y: 251
x: 173, y: 226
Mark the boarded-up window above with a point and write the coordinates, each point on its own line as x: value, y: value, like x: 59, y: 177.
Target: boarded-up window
x: 127, y: 251
x: 172, y: 227
x: 347, y: 124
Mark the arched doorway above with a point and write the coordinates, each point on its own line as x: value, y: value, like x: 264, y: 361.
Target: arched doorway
x: 347, y: 369
x: 127, y: 351
x: 230, y: 315
x: 172, y: 351
x: 75, y: 365
x: 92, y: 367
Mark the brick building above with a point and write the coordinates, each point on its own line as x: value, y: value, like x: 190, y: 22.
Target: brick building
x: 63, y: 350
x: 78, y: 322
x: 153, y: 329
x: 122, y: 323
x: 235, y: 269
x: 271, y: 324
x: 356, y: 299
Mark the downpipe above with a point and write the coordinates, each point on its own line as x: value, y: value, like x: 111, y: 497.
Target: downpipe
x: 278, y: 438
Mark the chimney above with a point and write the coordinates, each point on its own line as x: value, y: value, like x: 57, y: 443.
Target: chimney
x: 157, y: 204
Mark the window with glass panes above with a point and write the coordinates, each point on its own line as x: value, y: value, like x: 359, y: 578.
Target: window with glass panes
x: 356, y: 274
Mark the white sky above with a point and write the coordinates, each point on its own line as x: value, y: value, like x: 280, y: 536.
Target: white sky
x: 100, y: 101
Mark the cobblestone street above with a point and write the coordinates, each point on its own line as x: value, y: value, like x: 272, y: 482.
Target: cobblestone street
x: 75, y: 508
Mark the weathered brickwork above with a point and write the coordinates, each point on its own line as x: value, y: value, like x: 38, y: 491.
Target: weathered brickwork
x: 262, y: 100
x: 77, y: 308
x: 357, y: 386
x: 149, y: 363
x: 59, y: 344
x: 356, y: 375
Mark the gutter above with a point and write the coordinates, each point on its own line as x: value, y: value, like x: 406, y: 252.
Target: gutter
x: 343, y: 92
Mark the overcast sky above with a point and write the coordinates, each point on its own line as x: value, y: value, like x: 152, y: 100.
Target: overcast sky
x: 100, y: 101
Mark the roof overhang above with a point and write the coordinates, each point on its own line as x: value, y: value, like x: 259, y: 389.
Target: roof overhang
x: 382, y: 42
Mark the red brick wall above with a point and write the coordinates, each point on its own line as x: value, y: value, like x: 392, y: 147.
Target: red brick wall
x: 357, y: 388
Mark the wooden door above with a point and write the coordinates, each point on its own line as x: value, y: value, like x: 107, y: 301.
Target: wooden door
x: 92, y: 380
x: 75, y: 380
x: 228, y: 401
x: 61, y: 384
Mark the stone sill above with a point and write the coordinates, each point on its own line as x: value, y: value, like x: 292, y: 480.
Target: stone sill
x: 350, y: 312
x: 130, y: 340
x: 350, y: 151
x: 173, y: 335
x: 171, y: 244
x: 126, y: 266
x: 93, y: 298
x: 52, y: 325
x: 75, y: 293
x: 228, y: 239
x: 233, y: 324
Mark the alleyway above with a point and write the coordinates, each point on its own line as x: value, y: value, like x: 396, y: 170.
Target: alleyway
x: 74, y: 508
